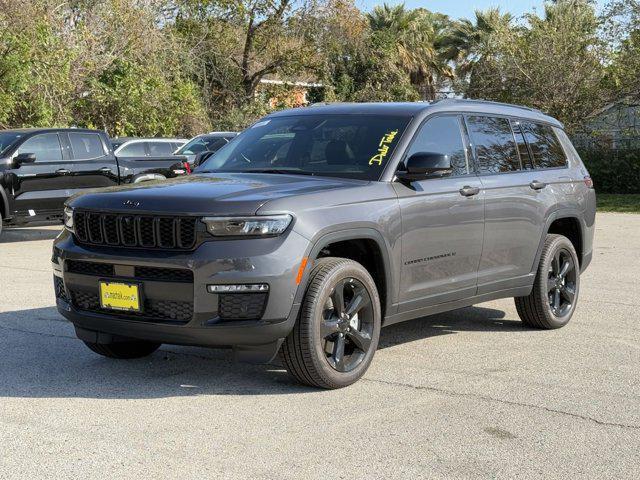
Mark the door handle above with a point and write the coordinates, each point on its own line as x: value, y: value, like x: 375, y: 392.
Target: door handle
x: 468, y: 191
x: 105, y: 170
x: 536, y: 185
x: 63, y: 171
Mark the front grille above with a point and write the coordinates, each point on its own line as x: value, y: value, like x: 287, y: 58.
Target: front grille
x: 241, y: 306
x: 58, y: 286
x: 162, y: 310
x: 135, y: 231
x: 89, y: 268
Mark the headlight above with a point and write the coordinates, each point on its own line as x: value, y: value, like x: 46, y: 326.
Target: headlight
x: 68, y: 218
x: 247, y: 226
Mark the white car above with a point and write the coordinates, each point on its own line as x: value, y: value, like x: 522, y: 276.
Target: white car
x: 146, y: 147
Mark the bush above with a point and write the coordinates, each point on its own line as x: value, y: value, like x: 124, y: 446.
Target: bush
x: 613, y: 171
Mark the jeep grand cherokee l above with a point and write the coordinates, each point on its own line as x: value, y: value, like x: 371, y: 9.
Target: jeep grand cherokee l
x: 318, y: 226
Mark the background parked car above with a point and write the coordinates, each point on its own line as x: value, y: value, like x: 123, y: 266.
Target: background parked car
x: 207, y: 142
x: 149, y: 147
x: 41, y: 168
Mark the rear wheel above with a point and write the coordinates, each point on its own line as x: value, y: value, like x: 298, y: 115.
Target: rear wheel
x: 124, y: 350
x: 553, y: 299
x: 336, y: 336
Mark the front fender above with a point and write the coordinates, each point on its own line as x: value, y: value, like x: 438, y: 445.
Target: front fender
x: 322, y: 239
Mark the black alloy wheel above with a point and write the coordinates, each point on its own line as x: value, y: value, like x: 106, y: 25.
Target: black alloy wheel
x: 336, y: 335
x: 561, y: 284
x: 347, y: 325
x: 554, y: 295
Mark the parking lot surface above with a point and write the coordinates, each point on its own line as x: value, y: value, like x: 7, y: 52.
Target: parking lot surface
x: 465, y: 394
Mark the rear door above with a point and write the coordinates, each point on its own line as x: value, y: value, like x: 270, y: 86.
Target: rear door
x: 93, y: 166
x: 42, y: 187
x: 516, y: 202
x: 442, y: 221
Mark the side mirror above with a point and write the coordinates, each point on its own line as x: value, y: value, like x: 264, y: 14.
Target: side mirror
x: 201, y: 158
x: 423, y: 165
x: 24, y: 158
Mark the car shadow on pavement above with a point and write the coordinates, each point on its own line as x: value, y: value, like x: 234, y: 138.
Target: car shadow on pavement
x: 471, y: 319
x: 14, y: 235
x: 40, y: 357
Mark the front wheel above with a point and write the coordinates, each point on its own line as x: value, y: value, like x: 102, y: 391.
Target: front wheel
x: 553, y: 299
x: 336, y: 336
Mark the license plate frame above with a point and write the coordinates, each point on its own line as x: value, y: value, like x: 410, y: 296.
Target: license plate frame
x: 125, y: 296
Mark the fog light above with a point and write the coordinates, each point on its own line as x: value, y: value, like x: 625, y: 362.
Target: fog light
x: 256, y: 287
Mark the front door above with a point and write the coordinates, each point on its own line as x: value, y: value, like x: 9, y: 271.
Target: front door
x: 442, y: 221
x: 40, y: 188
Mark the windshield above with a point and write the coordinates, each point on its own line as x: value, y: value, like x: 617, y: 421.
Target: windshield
x: 7, y: 139
x: 353, y: 146
x: 203, y: 144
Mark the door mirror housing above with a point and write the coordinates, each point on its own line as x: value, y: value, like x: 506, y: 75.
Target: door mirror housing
x: 423, y: 165
x: 24, y: 158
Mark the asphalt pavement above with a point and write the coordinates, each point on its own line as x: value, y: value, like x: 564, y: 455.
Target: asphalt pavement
x: 465, y: 394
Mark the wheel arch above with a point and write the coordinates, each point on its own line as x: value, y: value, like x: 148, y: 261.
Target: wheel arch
x: 569, y: 224
x: 353, y: 243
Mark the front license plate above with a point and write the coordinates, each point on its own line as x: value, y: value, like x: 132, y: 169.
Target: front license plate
x: 120, y: 296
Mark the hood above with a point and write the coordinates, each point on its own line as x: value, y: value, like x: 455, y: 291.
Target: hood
x: 207, y: 194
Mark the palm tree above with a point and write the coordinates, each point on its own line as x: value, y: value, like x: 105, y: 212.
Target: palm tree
x: 418, y: 36
x: 470, y: 43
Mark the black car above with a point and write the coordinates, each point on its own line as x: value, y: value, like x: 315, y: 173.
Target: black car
x: 41, y: 168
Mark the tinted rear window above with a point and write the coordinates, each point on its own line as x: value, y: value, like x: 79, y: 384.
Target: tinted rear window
x: 545, y: 147
x: 86, y: 145
x: 492, y: 138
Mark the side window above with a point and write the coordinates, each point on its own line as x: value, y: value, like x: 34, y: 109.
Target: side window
x: 523, y: 150
x: 443, y: 135
x: 86, y: 146
x: 46, y: 147
x: 135, y: 149
x: 545, y: 147
x: 160, y: 149
x: 496, y: 151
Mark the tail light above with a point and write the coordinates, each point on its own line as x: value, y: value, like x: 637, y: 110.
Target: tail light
x: 588, y: 181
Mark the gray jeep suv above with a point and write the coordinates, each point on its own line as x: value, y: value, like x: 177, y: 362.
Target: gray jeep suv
x: 317, y: 226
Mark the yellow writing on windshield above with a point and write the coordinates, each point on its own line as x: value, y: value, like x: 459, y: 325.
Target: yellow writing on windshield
x: 383, y: 148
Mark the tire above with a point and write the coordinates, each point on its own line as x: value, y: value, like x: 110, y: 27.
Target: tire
x: 1, y: 222
x: 124, y: 350
x: 326, y: 349
x: 541, y: 308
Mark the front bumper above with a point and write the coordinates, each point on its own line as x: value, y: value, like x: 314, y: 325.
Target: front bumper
x: 274, y: 261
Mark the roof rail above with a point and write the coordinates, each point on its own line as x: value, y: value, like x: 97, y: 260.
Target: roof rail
x: 488, y: 102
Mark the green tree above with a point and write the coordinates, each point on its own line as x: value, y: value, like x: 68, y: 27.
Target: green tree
x: 419, y: 37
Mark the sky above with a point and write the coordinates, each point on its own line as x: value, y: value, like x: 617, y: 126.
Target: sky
x: 460, y: 9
